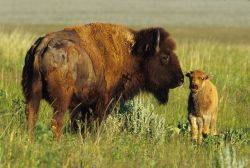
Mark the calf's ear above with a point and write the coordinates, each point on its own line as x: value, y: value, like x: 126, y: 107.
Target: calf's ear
x: 188, y: 74
x: 147, y: 42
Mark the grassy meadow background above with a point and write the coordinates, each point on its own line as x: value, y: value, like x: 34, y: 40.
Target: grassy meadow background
x: 213, y: 37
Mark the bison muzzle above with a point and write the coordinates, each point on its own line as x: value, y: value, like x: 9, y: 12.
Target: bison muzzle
x: 85, y: 68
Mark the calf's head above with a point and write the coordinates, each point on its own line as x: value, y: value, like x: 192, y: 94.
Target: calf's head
x: 161, y: 66
x: 197, y: 80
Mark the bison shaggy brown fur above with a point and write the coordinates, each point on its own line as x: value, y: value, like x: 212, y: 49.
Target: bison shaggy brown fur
x: 202, y: 105
x: 87, y: 68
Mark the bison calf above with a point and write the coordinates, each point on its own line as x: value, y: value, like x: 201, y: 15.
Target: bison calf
x: 202, y: 105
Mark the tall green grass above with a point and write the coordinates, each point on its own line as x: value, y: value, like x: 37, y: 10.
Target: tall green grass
x: 141, y: 133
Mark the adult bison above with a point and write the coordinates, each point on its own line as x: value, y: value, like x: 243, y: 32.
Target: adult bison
x: 86, y: 68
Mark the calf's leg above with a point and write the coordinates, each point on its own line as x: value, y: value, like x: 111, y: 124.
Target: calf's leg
x: 200, y: 128
x: 206, y: 120
x: 213, y: 127
x: 193, y: 121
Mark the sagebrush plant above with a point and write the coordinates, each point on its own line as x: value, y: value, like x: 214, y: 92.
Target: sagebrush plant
x: 140, y: 133
x: 227, y: 158
x: 142, y: 120
x: 138, y: 117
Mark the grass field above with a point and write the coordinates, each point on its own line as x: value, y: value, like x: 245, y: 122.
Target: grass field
x: 131, y: 12
x: 142, y: 133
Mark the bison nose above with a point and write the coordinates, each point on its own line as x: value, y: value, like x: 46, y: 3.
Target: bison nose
x: 181, y: 80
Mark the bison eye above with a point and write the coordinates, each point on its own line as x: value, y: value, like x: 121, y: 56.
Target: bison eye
x: 164, y: 58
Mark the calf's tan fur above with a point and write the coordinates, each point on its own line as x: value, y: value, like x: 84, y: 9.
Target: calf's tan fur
x: 202, y: 105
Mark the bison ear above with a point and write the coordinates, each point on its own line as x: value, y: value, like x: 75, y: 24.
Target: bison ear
x: 147, y: 42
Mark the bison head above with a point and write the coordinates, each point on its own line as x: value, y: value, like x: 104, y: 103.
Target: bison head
x: 160, y: 64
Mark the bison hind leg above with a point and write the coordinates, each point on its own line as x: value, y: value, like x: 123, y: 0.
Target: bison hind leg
x: 61, y: 97
x: 32, y: 105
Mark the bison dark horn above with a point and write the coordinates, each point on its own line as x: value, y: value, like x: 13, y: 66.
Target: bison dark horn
x: 158, y: 39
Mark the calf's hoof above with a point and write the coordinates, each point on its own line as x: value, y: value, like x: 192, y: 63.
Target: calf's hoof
x: 204, y: 135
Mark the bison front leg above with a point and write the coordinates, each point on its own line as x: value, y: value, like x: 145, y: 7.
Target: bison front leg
x: 74, y: 117
x: 100, y: 111
x: 78, y: 114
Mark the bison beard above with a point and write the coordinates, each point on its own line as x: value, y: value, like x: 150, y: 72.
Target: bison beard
x: 86, y: 68
x: 161, y: 95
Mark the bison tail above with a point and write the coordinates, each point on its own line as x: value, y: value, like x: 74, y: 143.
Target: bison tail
x: 31, y: 71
